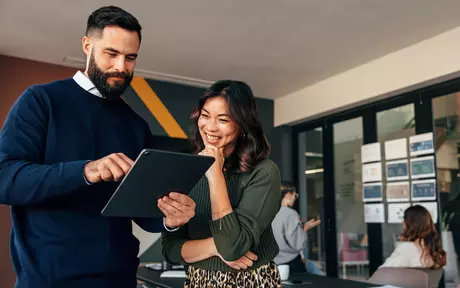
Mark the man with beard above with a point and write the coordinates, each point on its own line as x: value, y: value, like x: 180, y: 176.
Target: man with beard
x: 63, y: 147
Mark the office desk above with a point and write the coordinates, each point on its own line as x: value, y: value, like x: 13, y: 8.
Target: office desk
x: 311, y: 280
x: 152, y: 280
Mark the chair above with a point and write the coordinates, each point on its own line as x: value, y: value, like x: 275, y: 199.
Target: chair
x: 349, y: 256
x: 400, y: 277
x: 434, y: 275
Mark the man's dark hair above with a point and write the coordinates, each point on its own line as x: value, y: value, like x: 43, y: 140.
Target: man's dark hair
x: 112, y: 16
x: 287, y: 187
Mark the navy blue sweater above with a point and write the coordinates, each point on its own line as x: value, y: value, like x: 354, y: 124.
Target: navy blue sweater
x: 59, y: 238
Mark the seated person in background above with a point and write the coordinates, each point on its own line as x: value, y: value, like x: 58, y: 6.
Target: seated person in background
x: 290, y: 233
x: 230, y: 240
x: 421, y: 246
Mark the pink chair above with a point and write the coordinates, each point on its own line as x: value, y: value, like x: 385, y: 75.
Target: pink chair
x: 348, y: 256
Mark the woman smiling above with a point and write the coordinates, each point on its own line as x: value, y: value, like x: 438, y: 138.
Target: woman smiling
x: 230, y: 239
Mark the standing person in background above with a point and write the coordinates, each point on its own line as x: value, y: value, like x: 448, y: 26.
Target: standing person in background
x: 63, y: 148
x: 290, y: 233
x: 230, y: 242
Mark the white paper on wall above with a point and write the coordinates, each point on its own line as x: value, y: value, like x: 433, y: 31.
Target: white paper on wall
x: 397, y: 170
x: 423, y: 190
x: 370, y: 153
x: 372, y: 192
x: 396, y: 212
x: 421, y: 144
x: 398, y: 191
x: 372, y: 172
x: 422, y: 167
x: 374, y: 213
x: 396, y: 149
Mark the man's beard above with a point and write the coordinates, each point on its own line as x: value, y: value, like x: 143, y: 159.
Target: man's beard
x: 100, y: 80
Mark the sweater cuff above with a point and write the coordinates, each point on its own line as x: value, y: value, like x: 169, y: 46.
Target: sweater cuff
x: 83, y: 172
x: 167, y: 228
x: 78, y: 176
x: 175, y: 252
x: 224, y: 227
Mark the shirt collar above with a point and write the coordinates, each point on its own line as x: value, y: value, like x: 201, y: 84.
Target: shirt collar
x: 86, y: 84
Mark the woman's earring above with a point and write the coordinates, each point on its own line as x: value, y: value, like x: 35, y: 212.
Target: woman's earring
x: 243, y: 134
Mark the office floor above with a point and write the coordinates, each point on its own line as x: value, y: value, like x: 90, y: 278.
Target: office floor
x: 452, y: 281
x: 354, y: 274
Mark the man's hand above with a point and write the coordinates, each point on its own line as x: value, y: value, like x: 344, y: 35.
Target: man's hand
x: 110, y: 168
x: 244, y: 262
x: 178, y: 209
x: 311, y: 224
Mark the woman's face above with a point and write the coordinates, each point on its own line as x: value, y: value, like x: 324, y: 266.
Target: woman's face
x: 216, y: 127
x: 290, y: 198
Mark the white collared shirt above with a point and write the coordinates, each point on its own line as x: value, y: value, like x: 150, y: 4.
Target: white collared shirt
x: 86, y: 84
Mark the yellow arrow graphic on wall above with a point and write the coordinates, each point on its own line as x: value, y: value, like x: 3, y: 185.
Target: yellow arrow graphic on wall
x: 157, y: 108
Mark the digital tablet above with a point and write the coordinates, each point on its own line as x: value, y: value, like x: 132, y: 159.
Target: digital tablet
x: 153, y: 175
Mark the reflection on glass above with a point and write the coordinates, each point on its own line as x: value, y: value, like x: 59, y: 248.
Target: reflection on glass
x: 311, y: 183
x: 446, y: 111
x: 393, y: 124
x: 351, y: 229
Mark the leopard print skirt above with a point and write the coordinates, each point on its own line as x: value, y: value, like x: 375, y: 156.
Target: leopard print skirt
x: 266, y: 276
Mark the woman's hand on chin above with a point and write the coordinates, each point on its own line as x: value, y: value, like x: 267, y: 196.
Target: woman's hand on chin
x: 216, y: 169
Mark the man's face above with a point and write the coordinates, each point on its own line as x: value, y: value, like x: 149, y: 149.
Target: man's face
x: 112, y: 58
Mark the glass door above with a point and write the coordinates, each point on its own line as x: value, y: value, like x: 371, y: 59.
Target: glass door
x: 351, y: 231
x: 446, y: 113
x: 393, y: 125
x: 311, y: 194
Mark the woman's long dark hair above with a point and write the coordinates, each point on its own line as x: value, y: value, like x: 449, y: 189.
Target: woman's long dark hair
x: 251, y: 146
x: 420, y: 228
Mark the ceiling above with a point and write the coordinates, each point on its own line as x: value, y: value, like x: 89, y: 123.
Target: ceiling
x: 277, y: 46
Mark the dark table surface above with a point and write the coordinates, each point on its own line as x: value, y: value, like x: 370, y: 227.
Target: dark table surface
x: 152, y: 280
